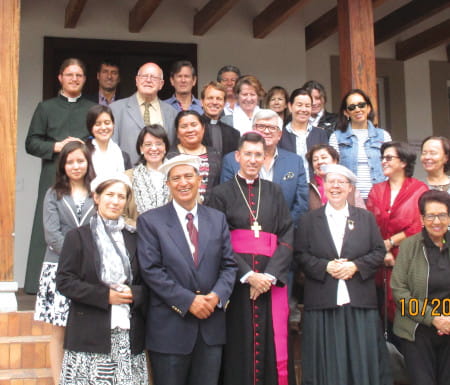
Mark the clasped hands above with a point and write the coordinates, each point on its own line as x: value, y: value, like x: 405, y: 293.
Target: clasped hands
x: 120, y: 295
x: 442, y: 324
x: 341, y: 269
x: 259, y: 284
x: 203, y: 305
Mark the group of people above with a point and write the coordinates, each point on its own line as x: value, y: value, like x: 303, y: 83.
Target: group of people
x: 179, y: 227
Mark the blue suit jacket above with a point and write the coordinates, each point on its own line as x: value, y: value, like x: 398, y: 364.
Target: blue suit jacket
x: 288, y: 173
x: 128, y: 123
x: 167, y: 267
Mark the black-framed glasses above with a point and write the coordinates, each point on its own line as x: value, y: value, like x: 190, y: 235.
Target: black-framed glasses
x: 352, y: 107
x: 388, y: 158
x: 431, y: 217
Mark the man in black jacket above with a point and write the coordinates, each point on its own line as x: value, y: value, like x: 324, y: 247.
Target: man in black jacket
x: 319, y: 116
x: 219, y: 135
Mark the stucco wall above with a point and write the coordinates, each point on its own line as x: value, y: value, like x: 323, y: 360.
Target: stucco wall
x: 229, y: 42
x: 278, y: 59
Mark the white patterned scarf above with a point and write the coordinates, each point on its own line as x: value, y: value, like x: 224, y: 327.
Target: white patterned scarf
x: 115, y: 265
x: 149, y: 188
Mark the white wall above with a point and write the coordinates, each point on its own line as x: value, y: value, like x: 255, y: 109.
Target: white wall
x: 417, y: 72
x: 277, y: 59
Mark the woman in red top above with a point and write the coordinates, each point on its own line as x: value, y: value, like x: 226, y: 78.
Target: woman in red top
x: 394, y: 204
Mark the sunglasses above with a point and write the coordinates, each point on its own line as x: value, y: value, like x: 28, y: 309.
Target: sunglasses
x: 352, y: 107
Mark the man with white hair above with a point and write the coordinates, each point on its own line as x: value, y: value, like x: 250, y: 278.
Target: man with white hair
x: 280, y: 166
x: 142, y: 109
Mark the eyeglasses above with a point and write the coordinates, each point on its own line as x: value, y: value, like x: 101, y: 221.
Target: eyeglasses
x: 70, y: 75
x: 155, y: 144
x: 149, y: 77
x: 431, y: 217
x: 388, y: 158
x: 264, y: 127
x: 352, y: 107
x: 334, y: 182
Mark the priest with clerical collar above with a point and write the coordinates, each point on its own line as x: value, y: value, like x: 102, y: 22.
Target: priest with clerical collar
x: 261, y: 235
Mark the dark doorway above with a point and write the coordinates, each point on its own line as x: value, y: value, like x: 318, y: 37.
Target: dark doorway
x: 130, y: 55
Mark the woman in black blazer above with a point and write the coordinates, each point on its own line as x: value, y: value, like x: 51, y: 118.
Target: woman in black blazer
x: 339, y: 248
x: 299, y: 135
x: 99, y: 272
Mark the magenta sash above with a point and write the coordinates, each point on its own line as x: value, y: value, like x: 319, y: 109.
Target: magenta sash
x: 244, y: 241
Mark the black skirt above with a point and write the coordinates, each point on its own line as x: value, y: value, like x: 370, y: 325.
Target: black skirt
x: 344, y: 346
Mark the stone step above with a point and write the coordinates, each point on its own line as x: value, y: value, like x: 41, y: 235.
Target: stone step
x: 26, y: 377
x: 21, y: 323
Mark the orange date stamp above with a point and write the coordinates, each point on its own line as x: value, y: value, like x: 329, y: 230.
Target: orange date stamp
x: 414, y: 307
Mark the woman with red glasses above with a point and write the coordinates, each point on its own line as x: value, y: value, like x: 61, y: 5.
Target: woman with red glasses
x: 358, y: 141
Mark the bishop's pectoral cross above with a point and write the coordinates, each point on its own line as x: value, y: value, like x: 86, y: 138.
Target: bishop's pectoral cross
x: 256, y: 228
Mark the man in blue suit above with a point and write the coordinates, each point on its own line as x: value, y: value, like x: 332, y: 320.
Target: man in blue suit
x: 186, y: 260
x: 280, y: 166
x: 142, y: 109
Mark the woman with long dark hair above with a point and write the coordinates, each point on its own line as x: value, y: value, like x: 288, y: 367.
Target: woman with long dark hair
x: 190, y: 130
x: 358, y: 141
x: 107, y: 157
x: 67, y: 205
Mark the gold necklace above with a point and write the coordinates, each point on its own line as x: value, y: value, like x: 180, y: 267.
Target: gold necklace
x: 255, y: 227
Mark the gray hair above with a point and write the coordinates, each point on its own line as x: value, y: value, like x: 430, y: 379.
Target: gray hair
x: 265, y: 113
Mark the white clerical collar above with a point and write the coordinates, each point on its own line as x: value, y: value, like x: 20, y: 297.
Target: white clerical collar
x: 249, y: 181
x: 70, y: 99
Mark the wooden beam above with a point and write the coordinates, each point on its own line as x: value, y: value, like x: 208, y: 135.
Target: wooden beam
x: 73, y: 12
x: 210, y: 14
x: 424, y: 41
x: 325, y: 26
x: 9, y: 84
x: 357, y: 50
x: 141, y: 12
x: 321, y: 28
x: 273, y: 15
x: 407, y: 16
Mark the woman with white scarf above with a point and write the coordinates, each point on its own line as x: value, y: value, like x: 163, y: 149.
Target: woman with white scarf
x: 107, y: 157
x: 149, y: 184
x: 99, y: 272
